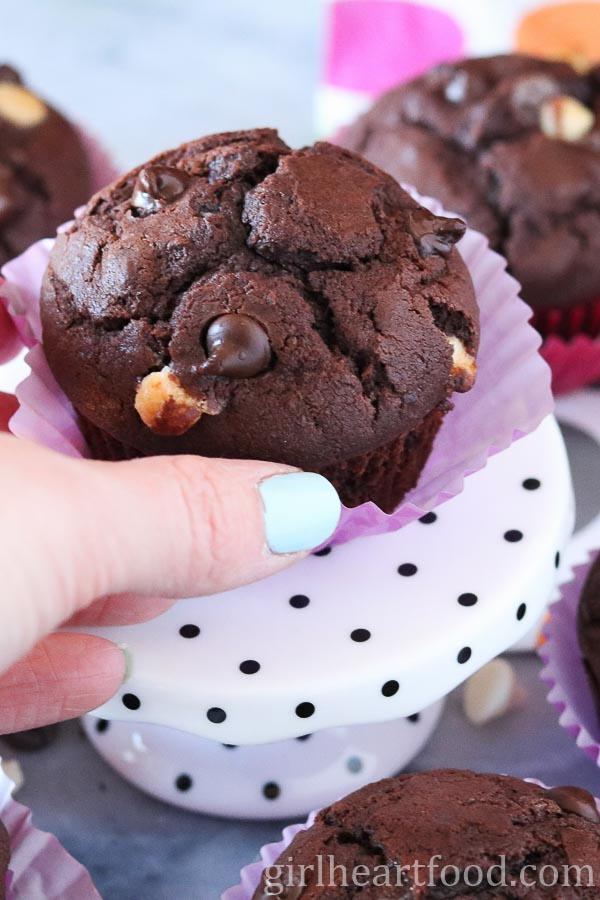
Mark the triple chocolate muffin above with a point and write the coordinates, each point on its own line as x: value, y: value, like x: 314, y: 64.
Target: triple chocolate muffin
x: 4, y: 859
x: 445, y: 833
x: 44, y: 172
x: 513, y: 144
x: 588, y: 627
x: 236, y: 298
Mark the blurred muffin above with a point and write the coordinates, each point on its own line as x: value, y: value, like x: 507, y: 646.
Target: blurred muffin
x: 513, y: 144
x: 236, y: 298
x: 4, y: 859
x: 445, y: 833
x: 588, y: 627
x: 44, y: 173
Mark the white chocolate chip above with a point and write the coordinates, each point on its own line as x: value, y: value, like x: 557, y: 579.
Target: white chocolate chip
x: 20, y: 107
x: 464, y: 366
x: 491, y: 692
x: 166, y: 407
x: 13, y: 770
x: 565, y: 119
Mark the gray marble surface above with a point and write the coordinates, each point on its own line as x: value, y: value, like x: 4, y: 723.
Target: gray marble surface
x: 145, y: 74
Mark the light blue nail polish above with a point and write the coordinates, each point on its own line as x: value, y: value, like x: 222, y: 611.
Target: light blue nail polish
x: 302, y: 510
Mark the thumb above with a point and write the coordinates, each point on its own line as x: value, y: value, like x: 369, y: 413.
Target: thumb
x: 165, y: 526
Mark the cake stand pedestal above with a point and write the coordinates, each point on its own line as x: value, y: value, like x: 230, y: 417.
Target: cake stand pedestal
x: 374, y: 631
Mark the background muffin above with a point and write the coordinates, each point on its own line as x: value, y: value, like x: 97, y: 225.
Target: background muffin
x: 44, y: 173
x: 445, y: 818
x: 236, y: 298
x: 588, y: 626
x: 4, y: 859
x: 513, y: 144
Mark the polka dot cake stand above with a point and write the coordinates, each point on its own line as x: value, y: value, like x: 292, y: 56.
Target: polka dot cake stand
x: 278, y: 780
x: 367, y: 632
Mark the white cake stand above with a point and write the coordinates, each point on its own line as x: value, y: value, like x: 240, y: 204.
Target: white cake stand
x: 373, y: 631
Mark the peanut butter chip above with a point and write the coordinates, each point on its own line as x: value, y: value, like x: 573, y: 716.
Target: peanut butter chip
x: 20, y: 107
x: 165, y: 407
x: 565, y: 119
x: 464, y: 367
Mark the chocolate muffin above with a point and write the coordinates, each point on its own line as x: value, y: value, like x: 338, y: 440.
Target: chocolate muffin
x: 588, y: 627
x: 235, y: 298
x: 446, y: 833
x: 4, y: 859
x: 44, y: 172
x: 512, y: 143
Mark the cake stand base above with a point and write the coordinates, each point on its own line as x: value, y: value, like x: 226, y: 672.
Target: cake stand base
x: 284, y: 779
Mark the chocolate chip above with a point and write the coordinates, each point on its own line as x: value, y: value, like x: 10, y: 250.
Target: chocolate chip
x: 575, y: 800
x: 33, y: 739
x: 236, y: 347
x: 7, y: 73
x: 156, y: 187
x: 435, y: 234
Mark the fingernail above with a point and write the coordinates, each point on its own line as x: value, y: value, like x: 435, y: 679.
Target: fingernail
x: 302, y: 510
x: 124, y: 648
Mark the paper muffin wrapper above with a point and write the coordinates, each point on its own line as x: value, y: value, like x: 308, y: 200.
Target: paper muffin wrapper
x: 39, y: 866
x: 511, y: 396
x: 575, y: 363
x: 563, y: 671
x: 269, y: 854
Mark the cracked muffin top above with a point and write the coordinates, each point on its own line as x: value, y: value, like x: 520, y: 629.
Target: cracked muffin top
x: 44, y: 173
x: 236, y: 298
x: 445, y: 833
x: 513, y: 144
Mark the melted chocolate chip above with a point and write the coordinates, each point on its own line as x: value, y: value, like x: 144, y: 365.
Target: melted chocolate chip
x: 156, y: 187
x: 435, y: 234
x: 33, y: 739
x: 236, y: 347
x: 575, y: 800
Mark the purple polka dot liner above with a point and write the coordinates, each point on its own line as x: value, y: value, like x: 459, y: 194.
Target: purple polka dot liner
x: 484, y: 421
x: 564, y: 673
x: 38, y: 861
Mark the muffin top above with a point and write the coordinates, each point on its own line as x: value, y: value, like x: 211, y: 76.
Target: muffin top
x: 44, y: 172
x: 513, y: 144
x: 236, y: 298
x: 445, y: 818
x: 588, y: 625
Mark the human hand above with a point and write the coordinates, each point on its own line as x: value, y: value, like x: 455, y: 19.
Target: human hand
x: 88, y: 543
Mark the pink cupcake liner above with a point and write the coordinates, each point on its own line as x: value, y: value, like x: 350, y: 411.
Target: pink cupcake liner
x: 270, y: 853
x: 574, y: 363
x: 563, y: 670
x: 39, y: 865
x: 511, y: 397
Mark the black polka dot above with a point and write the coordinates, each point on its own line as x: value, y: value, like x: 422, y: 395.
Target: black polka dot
x: 414, y: 718
x: 305, y: 710
x: 303, y: 737
x: 390, y: 688
x: 230, y: 746
x: 271, y: 790
x: 131, y: 701
x: 464, y: 655
x: 513, y: 536
x: 102, y: 725
x: 299, y: 601
x: 324, y: 552
x: 216, y: 715
x: 532, y: 484
x: 189, y: 631
x: 360, y: 635
x: 557, y: 561
x: 407, y: 569
x: 183, y: 782
x: 468, y: 599
x: 429, y: 518
x: 521, y: 611
x: 249, y: 667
